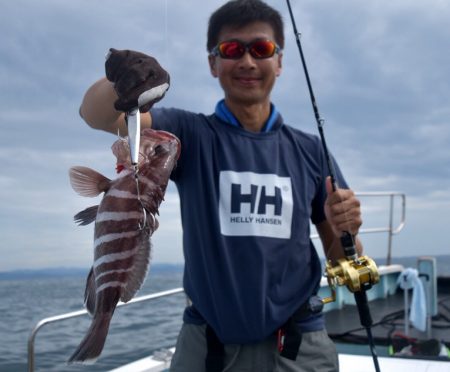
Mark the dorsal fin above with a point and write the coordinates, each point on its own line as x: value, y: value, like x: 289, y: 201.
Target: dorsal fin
x: 88, y: 182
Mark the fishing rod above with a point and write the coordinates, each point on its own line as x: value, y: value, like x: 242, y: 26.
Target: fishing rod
x: 357, y: 273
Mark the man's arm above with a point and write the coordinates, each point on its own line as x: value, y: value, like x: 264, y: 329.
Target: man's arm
x: 97, y: 109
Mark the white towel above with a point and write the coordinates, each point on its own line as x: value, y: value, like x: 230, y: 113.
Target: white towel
x: 409, y: 278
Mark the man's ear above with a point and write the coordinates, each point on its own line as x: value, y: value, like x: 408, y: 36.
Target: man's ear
x: 280, y: 64
x: 212, y: 65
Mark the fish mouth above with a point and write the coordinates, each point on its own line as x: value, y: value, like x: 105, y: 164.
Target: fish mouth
x: 164, y: 140
x: 172, y: 141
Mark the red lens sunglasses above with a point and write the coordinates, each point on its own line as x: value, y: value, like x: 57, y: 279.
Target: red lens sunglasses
x: 235, y: 49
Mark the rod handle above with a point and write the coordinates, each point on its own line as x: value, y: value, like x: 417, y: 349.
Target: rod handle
x: 363, y: 308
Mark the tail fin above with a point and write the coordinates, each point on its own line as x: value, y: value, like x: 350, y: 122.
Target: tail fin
x: 92, y: 345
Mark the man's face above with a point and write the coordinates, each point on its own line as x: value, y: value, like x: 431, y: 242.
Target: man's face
x: 246, y: 80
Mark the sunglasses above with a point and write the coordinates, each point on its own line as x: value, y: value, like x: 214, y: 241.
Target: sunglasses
x: 235, y: 49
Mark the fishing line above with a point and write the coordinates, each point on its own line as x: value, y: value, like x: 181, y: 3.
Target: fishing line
x: 143, y: 223
x: 347, y: 240
x: 166, y: 31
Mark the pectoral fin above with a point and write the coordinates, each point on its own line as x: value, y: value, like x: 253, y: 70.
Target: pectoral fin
x: 88, y: 182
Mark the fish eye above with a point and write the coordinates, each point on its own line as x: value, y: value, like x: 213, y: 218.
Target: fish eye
x: 159, y: 149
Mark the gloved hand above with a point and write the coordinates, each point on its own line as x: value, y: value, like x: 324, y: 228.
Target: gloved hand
x: 135, y: 75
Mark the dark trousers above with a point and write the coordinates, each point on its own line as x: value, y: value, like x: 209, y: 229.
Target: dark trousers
x: 317, y: 353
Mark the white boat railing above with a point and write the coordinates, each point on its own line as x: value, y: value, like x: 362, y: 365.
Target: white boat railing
x: 389, y: 229
x: 384, y: 229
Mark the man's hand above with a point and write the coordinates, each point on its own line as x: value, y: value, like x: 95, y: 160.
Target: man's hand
x: 342, y: 210
x: 138, y: 79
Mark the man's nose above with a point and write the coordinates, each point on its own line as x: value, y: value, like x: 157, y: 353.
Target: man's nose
x: 247, y: 60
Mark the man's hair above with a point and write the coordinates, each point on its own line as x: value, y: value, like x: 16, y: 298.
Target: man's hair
x: 239, y: 13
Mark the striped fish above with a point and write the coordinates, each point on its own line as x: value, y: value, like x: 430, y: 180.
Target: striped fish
x: 124, y: 221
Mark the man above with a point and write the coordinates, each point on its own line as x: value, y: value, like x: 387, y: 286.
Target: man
x: 249, y: 185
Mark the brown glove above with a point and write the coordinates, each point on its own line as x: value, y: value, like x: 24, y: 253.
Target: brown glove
x: 134, y: 75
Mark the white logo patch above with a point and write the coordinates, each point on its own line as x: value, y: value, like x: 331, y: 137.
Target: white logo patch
x: 253, y: 204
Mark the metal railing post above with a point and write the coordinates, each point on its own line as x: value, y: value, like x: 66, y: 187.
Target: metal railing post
x: 391, y: 221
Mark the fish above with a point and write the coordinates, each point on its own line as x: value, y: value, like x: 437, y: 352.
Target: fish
x: 125, y: 219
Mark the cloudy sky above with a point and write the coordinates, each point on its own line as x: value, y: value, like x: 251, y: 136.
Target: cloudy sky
x: 380, y: 72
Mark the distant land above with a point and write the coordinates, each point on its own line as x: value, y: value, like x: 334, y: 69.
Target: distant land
x: 56, y: 272
x: 442, y: 262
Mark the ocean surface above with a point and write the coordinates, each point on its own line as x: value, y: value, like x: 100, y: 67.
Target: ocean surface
x: 136, y: 331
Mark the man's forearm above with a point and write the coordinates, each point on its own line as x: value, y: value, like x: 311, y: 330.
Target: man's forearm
x: 97, y: 108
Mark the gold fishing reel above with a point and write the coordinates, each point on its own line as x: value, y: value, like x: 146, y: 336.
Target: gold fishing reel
x: 360, y: 273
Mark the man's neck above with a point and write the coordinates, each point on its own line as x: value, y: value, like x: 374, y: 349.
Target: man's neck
x: 252, y: 117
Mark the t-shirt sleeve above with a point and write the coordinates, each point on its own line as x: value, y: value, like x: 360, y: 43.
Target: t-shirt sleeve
x: 179, y: 123
x: 167, y: 119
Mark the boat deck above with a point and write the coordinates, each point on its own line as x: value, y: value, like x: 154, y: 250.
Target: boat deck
x: 388, y: 318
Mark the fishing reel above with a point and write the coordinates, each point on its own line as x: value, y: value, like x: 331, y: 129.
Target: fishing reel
x: 356, y: 274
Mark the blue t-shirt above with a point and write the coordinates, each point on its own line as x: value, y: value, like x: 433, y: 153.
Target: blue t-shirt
x: 246, y: 203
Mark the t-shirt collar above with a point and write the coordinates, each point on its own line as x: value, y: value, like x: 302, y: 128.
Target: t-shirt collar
x: 224, y: 114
